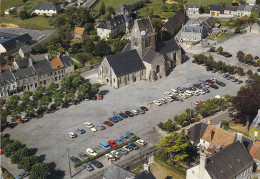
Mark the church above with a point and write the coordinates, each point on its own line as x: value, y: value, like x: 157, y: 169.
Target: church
x: 142, y: 59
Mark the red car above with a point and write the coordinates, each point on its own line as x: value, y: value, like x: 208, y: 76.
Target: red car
x: 1, y: 152
x: 108, y: 123
x: 210, y: 81
x: 112, y: 143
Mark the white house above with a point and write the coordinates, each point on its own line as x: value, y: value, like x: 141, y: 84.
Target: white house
x: 216, y: 10
x: 48, y: 9
x: 230, y: 10
x: 253, y: 2
x: 193, y: 8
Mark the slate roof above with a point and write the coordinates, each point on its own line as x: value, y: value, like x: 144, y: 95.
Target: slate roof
x: 26, y: 49
x: 229, y: 162
x: 256, y: 8
x: 218, y: 136
x: 42, y: 66
x: 47, y: 6
x: 256, y: 121
x: 255, y: 151
x: 123, y: 8
x: 166, y: 47
x: 248, y: 8
x: 231, y: 8
x: 170, y: 25
x: 6, y: 76
x: 149, y: 56
x: 145, y: 24
x: 22, y: 63
x: 125, y: 63
x: 111, y: 23
x: 115, y: 172
x: 127, y: 48
x: 37, y: 57
x: 197, y: 29
x: 79, y: 30
x: 193, y: 5
x: 24, y: 73
x: 247, y: 142
x: 66, y: 61
x: 258, y: 23
x: 144, y: 175
x: 12, y: 42
x: 56, y: 63
x: 241, y: 7
x: 216, y: 7
x: 196, y: 132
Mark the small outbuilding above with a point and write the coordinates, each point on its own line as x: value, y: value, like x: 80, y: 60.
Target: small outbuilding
x: 25, y: 51
x: 78, y: 32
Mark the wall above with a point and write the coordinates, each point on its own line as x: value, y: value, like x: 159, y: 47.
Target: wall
x: 47, y: 12
x: 103, y: 33
x: 252, y: 131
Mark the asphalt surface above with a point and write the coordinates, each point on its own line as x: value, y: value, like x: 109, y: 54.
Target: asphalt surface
x: 49, y: 135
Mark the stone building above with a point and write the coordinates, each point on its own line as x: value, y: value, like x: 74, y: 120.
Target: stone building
x: 193, y: 33
x: 58, y: 69
x: 68, y: 65
x: 174, y: 23
x: 48, y: 9
x: 193, y: 8
x: 25, y: 51
x: 124, y: 10
x: 7, y: 82
x: 142, y: 59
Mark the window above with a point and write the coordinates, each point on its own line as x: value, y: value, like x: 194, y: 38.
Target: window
x: 128, y: 77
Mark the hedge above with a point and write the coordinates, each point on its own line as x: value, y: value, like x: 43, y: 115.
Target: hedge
x: 103, y: 153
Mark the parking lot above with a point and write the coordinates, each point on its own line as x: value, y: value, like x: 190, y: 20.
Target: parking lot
x: 50, y: 133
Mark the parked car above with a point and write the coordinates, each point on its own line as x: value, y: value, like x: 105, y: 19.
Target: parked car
x: 141, y: 142
x: 113, y: 120
x: 135, y: 112
x: 258, y: 70
x: 116, y: 153
x: 127, y: 148
x: 175, y: 98
x: 93, y: 129
x: 91, y: 152
x: 110, y: 157
x: 84, y: 156
x: 125, y: 137
x: 123, y: 115
x: 132, y: 135
x: 140, y: 111
x: 88, y: 124
x: 133, y: 146
x: 119, y: 141
x: 22, y: 175
x: 118, y: 117
x: 168, y: 98
x: 108, y: 123
x: 221, y: 83
x: 87, y: 166
x: 214, y: 86
x: 2, y: 152
x: 105, y: 145
x: 162, y: 101
x: 210, y: 81
x: 72, y: 134
x: 100, y: 126
x: 129, y: 114
x: 144, y: 108
x: 158, y: 103
x: 112, y: 143
x: 239, y: 81
x: 80, y: 130
x: 249, y: 81
x: 97, y: 163
x: 122, y: 151
x: 75, y: 159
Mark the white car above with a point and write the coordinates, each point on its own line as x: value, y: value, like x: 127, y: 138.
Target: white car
x: 189, y: 93
x: 88, y: 124
x: 183, y: 95
x: 72, y: 134
x: 141, y: 142
x: 168, y: 98
x: 202, y: 92
x: 127, y: 148
x: 196, y: 93
x: 135, y: 112
x: 158, y: 103
x: 91, y: 152
x: 168, y: 93
x: 116, y: 153
x: 163, y: 101
x: 174, y: 90
x: 93, y: 129
x: 214, y: 80
x: 110, y: 157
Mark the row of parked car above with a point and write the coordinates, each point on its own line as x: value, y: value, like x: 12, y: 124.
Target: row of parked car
x: 253, y: 63
x: 232, y: 78
x: 113, y: 155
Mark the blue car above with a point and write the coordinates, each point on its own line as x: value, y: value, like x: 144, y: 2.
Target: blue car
x: 87, y: 166
x: 132, y: 135
x: 105, y: 145
x: 122, y: 151
x: 118, y: 117
x: 133, y: 146
x: 119, y: 141
x: 249, y: 81
x: 113, y: 120
x: 125, y: 137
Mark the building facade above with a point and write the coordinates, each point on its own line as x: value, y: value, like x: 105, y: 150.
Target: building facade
x: 193, y: 33
x: 216, y: 10
x: 193, y: 8
x: 48, y: 9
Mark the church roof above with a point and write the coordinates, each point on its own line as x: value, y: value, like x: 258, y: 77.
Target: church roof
x: 145, y: 24
x: 125, y: 63
x: 149, y: 56
x: 166, y: 47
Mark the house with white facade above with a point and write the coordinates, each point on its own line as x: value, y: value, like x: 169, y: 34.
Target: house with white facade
x: 244, y: 10
x: 48, y: 9
x: 230, y: 10
x: 252, y: 2
x: 193, y: 8
x: 231, y: 162
x: 216, y: 10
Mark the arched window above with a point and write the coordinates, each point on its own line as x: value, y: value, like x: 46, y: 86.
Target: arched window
x: 158, y: 69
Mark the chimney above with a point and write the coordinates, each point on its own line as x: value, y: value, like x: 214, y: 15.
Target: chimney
x: 209, y: 121
x: 202, y: 165
x: 212, y: 135
x: 258, y: 111
x: 46, y: 56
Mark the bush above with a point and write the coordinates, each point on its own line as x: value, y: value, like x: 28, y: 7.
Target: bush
x: 224, y: 124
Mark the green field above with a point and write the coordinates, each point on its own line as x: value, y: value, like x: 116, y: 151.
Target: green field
x: 155, y: 5
x: 41, y: 20
x: 207, y: 2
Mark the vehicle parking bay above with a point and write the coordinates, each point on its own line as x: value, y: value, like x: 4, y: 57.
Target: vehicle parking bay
x: 52, y: 130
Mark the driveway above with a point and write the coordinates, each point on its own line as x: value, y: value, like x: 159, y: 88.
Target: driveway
x: 50, y: 133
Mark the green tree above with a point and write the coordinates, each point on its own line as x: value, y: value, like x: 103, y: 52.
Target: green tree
x: 240, y: 54
x: 237, y: 30
x: 24, y: 14
x: 102, y: 48
x: 45, y: 101
x: 95, y: 87
x: 2, y: 102
x: 69, y: 97
x: 66, y: 83
x: 17, y: 156
x: 219, y: 49
x: 12, y: 147
x: 58, y: 96
x: 5, y: 141
x: 249, y: 73
x: 27, y: 162
x: 38, y: 93
x: 26, y: 97
x: 76, y: 81
x: 12, y: 102
x: 240, y: 71
x: 84, y: 90
x: 102, y: 8
x: 88, y: 46
x: 52, y: 88
x: 39, y: 170
x: 248, y: 58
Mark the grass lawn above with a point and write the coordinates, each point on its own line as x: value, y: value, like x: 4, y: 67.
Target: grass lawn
x: 238, y: 128
x: 41, y: 20
x: 5, y: 4
x: 114, y: 3
x: 208, y: 2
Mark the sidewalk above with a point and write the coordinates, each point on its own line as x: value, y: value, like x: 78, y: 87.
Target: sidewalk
x: 11, y: 168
